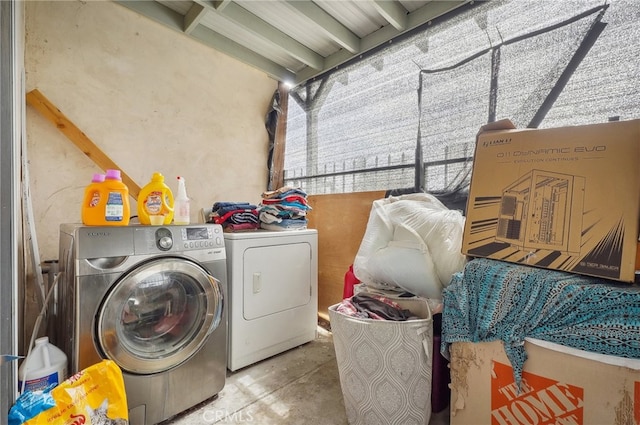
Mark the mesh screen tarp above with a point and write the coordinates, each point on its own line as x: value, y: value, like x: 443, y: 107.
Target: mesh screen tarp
x: 548, y: 63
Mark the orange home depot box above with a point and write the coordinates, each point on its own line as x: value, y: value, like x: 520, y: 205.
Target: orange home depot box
x: 561, y: 386
x: 562, y: 198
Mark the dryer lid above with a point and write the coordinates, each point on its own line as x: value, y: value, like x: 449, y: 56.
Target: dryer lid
x: 159, y: 314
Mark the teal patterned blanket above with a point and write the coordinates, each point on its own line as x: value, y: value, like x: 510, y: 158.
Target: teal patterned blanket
x: 494, y: 300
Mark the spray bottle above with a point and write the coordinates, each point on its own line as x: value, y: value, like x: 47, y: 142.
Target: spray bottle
x: 181, y: 209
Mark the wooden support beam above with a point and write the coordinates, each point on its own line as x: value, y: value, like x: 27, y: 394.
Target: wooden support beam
x: 193, y: 17
x: 38, y: 101
x: 277, y: 162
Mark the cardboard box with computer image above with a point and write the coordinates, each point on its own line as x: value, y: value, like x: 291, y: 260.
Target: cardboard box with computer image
x: 560, y: 198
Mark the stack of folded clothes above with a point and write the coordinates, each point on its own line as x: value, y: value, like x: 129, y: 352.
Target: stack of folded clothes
x: 235, y: 216
x: 284, y: 209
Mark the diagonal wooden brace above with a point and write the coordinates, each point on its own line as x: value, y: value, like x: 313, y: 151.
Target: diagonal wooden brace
x: 38, y: 101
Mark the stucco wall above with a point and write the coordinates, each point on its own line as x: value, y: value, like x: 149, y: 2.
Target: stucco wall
x: 152, y: 99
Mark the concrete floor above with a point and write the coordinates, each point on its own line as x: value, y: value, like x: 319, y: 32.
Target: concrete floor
x: 299, y: 386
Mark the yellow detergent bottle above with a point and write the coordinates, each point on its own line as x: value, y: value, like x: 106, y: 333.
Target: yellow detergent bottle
x: 106, y: 201
x: 155, y: 202
x: 116, y: 210
x: 93, y: 204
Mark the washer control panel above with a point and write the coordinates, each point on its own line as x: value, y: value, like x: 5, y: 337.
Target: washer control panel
x: 200, y: 237
x: 193, y: 237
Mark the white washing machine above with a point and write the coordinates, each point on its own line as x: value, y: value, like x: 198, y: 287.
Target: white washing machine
x: 152, y: 299
x: 273, y: 293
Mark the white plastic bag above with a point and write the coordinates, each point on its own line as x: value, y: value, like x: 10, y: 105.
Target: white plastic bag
x: 411, y: 242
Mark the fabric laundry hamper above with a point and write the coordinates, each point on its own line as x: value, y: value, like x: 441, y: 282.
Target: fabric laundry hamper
x: 385, y: 366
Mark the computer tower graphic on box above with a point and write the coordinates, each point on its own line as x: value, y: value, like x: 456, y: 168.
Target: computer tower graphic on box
x: 542, y: 210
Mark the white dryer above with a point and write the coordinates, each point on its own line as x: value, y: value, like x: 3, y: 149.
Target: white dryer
x: 273, y: 293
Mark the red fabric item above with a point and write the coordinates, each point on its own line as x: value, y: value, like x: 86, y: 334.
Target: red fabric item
x: 350, y: 280
x: 221, y: 219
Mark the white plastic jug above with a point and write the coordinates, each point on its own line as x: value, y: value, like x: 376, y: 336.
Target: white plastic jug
x: 45, y: 365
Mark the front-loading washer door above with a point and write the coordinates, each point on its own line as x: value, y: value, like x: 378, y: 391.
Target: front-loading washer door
x: 158, y: 314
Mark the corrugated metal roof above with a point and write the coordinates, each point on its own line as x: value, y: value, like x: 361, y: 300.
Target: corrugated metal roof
x: 294, y: 40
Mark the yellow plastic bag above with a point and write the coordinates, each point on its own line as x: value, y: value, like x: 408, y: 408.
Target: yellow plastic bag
x: 93, y: 396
